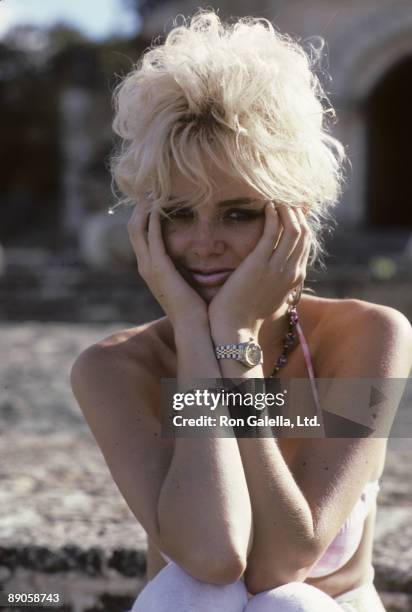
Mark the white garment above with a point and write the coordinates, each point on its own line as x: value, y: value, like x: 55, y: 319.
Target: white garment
x: 173, y: 589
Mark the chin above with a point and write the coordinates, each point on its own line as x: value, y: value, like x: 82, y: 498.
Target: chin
x: 207, y: 293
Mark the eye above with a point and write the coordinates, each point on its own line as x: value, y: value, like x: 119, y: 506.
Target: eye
x: 182, y: 212
x: 240, y: 214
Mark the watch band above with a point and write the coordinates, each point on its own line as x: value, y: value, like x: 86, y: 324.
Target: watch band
x: 228, y: 351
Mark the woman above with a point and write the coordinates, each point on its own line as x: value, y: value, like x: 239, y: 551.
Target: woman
x: 227, y: 160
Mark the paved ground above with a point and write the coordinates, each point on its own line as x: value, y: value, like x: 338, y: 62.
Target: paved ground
x: 59, y: 509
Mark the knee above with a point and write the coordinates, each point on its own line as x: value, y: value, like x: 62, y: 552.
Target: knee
x: 293, y: 597
x: 173, y: 588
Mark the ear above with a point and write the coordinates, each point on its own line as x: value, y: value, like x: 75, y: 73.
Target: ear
x: 305, y: 208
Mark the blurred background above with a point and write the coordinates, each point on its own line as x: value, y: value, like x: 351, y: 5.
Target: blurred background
x: 68, y: 275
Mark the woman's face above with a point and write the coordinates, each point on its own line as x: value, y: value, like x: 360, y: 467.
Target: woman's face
x: 208, y: 242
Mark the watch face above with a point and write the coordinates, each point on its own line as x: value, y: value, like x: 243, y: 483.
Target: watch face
x: 253, y: 354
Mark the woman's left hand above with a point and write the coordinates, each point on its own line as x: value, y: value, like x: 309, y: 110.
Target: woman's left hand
x: 264, y: 279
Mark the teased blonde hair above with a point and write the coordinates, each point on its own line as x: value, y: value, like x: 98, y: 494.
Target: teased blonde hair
x: 244, y: 95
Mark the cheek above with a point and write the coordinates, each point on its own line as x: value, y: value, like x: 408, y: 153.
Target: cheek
x: 174, y: 239
x: 249, y: 235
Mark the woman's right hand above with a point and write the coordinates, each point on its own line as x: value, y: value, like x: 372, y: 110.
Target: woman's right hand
x: 180, y: 302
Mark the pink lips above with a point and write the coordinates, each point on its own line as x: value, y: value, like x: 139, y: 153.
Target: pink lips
x: 211, y: 279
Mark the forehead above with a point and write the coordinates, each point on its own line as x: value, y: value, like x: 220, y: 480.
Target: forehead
x: 225, y: 186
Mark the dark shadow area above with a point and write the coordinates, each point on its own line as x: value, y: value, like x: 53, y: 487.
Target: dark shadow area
x: 389, y: 131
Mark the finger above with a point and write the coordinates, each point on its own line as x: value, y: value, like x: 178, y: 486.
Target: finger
x: 295, y: 265
x: 301, y: 214
x: 290, y: 236
x: 307, y: 233
x: 137, y: 230
x: 303, y: 262
x: 156, y: 244
x: 159, y: 257
x: 303, y: 242
x: 271, y: 232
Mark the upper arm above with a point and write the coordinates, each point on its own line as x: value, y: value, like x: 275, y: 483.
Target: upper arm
x: 332, y: 472
x: 116, y: 397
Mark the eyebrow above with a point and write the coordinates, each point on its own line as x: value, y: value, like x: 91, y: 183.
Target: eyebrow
x: 231, y: 202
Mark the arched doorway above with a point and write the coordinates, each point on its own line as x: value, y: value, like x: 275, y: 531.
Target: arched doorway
x: 389, y: 151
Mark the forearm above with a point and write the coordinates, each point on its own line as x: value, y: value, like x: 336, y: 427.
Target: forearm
x: 283, y: 534
x: 204, y: 506
x: 283, y: 525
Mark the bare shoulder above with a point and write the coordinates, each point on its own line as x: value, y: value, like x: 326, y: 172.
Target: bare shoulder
x: 146, y: 346
x: 127, y: 363
x: 363, y: 317
x: 350, y: 329
x: 342, y: 311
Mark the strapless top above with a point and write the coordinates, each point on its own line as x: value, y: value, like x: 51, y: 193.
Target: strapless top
x: 346, y: 542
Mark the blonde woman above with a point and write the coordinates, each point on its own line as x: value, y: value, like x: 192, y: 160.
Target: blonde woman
x: 227, y: 160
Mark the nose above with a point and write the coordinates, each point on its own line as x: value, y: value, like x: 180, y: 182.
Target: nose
x: 206, y: 240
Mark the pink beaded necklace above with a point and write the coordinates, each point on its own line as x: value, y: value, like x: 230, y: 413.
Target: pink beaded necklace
x: 290, y: 340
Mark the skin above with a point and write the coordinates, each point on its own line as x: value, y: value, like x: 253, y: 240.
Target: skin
x: 268, y: 252
x: 225, y: 236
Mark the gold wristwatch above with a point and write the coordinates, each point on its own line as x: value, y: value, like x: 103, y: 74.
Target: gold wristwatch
x: 248, y: 353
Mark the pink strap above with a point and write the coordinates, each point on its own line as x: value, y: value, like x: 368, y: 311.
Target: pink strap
x: 309, y: 365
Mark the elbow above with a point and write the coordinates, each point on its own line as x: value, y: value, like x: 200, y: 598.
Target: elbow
x: 218, y: 558
x: 278, y: 571
x: 211, y: 566
x: 216, y: 568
